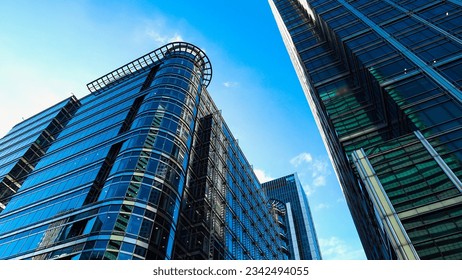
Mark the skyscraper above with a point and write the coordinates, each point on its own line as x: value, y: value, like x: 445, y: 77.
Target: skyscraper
x: 383, y: 80
x: 288, y: 195
x: 144, y: 167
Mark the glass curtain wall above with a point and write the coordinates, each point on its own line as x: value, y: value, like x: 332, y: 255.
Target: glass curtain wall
x: 383, y: 82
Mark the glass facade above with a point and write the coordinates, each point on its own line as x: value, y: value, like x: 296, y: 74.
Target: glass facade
x: 300, y: 232
x: 383, y: 80
x: 144, y: 167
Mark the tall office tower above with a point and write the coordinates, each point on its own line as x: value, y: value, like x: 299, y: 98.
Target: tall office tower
x: 288, y: 197
x: 144, y: 167
x: 383, y: 80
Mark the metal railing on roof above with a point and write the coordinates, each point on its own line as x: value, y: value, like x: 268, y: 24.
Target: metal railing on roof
x: 146, y: 61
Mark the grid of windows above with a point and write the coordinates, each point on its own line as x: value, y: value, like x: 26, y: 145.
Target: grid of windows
x: 22, y: 148
x: 377, y: 72
x: 223, y: 202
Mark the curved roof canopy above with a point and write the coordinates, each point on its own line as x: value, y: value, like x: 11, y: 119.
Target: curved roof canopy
x: 152, y: 58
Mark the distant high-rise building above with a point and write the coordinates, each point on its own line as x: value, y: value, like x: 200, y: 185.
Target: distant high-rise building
x: 383, y: 80
x: 287, y: 196
x: 144, y: 167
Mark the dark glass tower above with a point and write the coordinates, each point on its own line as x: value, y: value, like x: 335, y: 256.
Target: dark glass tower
x: 288, y: 196
x: 383, y: 80
x: 144, y: 167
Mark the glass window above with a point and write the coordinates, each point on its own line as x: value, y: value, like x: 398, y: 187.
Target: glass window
x: 453, y: 72
x: 361, y: 41
x: 392, y: 67
x: 385, y: 15
x: 376, y: 53
x: 402, y: 25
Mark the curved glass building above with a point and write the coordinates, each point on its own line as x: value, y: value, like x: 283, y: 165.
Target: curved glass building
x: 384, y: 83
x: 144, y: 167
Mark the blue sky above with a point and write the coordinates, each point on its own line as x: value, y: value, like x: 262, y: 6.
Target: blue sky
x: 52, y: 49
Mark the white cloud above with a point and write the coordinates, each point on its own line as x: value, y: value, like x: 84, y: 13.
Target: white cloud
x: 321, y: 206
x: 230, y: 84
x: 319, y: 181
x: 335, y: 248
x: 301, y: 158
x: 308, y: 189
x: 160, y: 31
x: 163, y: 39
x: 319, y: 167
x: 313, y: 172
x: 262, y: 176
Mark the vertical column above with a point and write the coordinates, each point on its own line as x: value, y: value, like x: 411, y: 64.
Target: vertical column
x: 391, y: 223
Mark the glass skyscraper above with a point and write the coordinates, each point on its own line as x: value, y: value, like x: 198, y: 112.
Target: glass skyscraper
x: 288, y: 196
x: 144, y: 167
x: 383, y: 80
